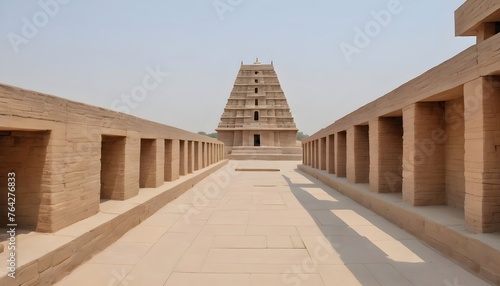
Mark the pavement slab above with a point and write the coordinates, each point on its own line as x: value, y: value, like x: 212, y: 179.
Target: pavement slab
x: 267, y: 228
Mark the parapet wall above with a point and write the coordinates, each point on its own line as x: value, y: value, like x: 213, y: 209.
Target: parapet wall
x: 434, y: 141
x: 68, y: 157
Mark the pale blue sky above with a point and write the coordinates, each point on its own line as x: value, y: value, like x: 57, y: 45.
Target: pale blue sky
x: 95, y: 51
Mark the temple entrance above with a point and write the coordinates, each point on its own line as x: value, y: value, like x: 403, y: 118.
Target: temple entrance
x: 256, y: 140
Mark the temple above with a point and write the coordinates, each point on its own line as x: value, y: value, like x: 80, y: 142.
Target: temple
x: 257, y: 122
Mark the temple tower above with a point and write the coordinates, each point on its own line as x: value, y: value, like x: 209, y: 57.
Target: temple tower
x: 257, y: 122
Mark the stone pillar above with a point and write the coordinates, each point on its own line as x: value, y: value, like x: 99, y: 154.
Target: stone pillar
x: 209, y: 152
x: 358, y: 154
x: 482, y: 154
x: 220, y: 156
x: 214, y: 153
x: 132, y: 161
x: 386, y: 154
x: 183, y: 158
x: 330, y: 154
x: 190, y: 156
x: 318, y: 154
x: 315, y: 153
x: 152, y: 163
x: 309, y: 154
x: 322, y: 153
x: 198, y: 160
x: 341, y: 154
x: 424, y: 154
x: 304, y: 152
x: 455, y: 168
x: 172, y: 158
x: 205, y: 154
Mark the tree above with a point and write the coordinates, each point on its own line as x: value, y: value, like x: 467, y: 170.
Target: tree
x: 213, y: 135
x: 301, y: 136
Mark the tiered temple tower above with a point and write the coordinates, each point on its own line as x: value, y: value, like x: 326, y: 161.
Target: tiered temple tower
x: 257, y: 122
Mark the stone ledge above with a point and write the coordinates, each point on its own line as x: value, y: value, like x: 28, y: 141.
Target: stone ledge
x: 441, y: 227
x: 265, y: 157
x: 44, y: 259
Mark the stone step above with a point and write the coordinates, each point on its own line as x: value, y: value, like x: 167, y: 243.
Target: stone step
x: 257, y: 151
x: 272, y: 157
x: 266, y: 150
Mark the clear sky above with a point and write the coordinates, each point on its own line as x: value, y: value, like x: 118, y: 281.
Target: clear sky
x: 175, y: 61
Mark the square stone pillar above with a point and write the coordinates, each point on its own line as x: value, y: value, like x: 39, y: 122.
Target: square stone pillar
x: 190, y: 155
x: 386, y: 154
x: 132, y: 159
x: 214, y: 156
x: 482, y: 154
x: 316, y: 154
x: 216, y: 153
x: 341, y: 154
x: 307, y: 160
x: 198, y: 153
x: 330, y: 154
x: 209, y: 153
x: 358, y: 154
x: 305, y: 154
x: 152, y: 163
x: 424, y: 154
x: 311, y: 154
x: 183, y: 158
x: 322, y: 153
x: 205, y: 154
x: 217, y: 148
x: 172, y: 157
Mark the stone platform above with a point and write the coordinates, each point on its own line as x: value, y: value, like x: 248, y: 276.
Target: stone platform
x: 268, y: 228
x: 441, y: 227
x: 45, y: 258
x: 266, y: 153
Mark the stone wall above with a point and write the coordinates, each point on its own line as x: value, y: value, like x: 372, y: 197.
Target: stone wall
x: 435, y: 139
x: 68, y: 156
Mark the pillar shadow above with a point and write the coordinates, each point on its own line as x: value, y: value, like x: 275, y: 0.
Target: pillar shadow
x: 367, y: 243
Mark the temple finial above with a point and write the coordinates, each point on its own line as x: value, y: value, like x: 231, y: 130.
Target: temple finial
x: 257, y: 61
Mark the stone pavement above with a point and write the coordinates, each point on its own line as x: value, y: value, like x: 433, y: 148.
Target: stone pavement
x: 267, y: 228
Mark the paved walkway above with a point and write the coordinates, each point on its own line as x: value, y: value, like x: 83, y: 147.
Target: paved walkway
x: 267, y: 228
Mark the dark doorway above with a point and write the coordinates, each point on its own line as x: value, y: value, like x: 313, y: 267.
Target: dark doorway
x: 256, y: 116
x: 256, y: 140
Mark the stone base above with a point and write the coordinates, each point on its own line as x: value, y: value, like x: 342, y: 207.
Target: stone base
x: 265, y: 153
x: 441, y: 227
x: 47, y: 258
